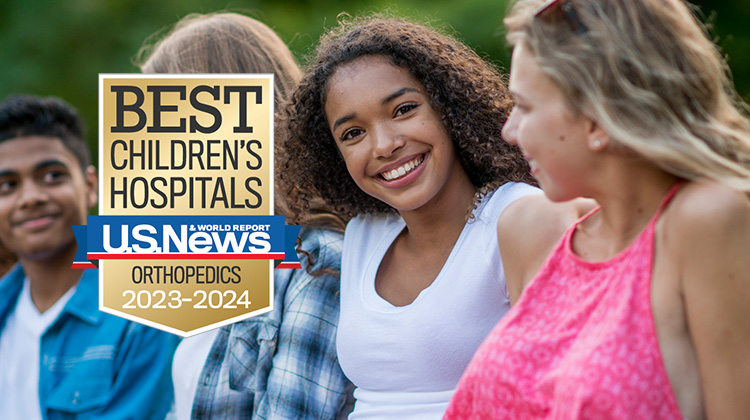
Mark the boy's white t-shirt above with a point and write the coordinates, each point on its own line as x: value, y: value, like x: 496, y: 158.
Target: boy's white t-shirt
x: 187, y: 365
x: 406, y: 361
x: 20, y: 343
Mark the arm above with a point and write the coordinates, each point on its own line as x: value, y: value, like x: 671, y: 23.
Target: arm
x: 714, y: 227
x: 143, y: 386
x: 528, y: 230
x: 306, y: 380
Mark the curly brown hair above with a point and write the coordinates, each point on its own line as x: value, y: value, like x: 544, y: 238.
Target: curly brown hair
x: 467, y: 92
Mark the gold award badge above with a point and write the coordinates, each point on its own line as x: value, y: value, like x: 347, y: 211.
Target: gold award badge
x: 186, y: 237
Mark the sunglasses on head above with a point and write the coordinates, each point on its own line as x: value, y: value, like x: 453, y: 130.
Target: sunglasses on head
x: 565, y: 8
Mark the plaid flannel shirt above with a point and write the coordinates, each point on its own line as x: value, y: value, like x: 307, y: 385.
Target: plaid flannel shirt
x: 283, y: 364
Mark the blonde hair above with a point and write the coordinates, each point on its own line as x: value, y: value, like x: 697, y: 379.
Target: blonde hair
x: 647, y: 73
x: 222, y: 43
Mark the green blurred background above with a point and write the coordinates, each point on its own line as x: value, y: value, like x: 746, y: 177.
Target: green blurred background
x: 58, y: 47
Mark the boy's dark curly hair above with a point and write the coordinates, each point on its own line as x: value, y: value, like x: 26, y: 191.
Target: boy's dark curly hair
x: 29, y: 115
x: 468, y: 93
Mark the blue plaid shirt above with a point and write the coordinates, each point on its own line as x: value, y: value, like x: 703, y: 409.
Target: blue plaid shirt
x: 283, y: 364
x: 95, y: 365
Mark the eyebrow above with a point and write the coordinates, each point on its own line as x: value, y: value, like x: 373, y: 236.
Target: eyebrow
x: 49, y: 162
x: 38, y: 167
x: 385, y: 101
x: 342, y: 120
x: 398, y: 93
x: 41, y: 165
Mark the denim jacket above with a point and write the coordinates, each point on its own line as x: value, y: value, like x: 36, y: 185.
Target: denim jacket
x: 95, y: 365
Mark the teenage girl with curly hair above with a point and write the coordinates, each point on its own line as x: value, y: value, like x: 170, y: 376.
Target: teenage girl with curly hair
x: 397, y: 126
x: 641, y: 310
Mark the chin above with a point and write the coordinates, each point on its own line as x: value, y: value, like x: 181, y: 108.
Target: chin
x: 405, y: 207
x: 556, y: 196
x: 43, y: 253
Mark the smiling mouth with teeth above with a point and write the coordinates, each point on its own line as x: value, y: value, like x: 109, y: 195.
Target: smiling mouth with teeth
x: 402, y: 170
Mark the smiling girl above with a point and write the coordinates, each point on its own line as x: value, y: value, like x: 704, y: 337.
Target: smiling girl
x: 398, y: 127
x: 641, y: 310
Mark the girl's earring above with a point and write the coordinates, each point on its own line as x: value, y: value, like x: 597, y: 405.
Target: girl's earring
x: 597, y: 144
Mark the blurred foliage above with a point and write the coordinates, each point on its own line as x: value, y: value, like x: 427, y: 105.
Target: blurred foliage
x: 53, y: 47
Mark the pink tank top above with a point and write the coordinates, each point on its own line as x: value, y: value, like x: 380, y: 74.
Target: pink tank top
x: 580, y: 343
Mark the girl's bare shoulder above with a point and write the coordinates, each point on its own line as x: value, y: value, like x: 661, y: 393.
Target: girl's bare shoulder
x: 535, y: 220
x: 706, y: 211
x: 528, y: 230
x: 706, y: 234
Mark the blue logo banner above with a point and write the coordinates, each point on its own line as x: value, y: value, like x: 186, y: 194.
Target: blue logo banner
x: 185, y: 237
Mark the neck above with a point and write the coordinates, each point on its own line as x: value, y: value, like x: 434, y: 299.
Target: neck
x: 50, y: 278
x: 628, y: 203
x: 439, y: 223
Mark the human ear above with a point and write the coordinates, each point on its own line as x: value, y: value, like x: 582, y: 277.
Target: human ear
x: 92, y: 186
x: 597, y: 138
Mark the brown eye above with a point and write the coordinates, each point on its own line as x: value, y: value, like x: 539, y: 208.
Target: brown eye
x: 53, y: 176
x: 7, y: 186
x: 351, y: 134
x: 405, y: 108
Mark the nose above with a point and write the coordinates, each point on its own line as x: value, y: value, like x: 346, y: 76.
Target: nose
x: 386, y: 142
x: 31, y: 194
x: 510, y: 128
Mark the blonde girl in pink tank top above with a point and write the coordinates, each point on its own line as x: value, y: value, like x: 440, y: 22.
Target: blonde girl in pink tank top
x: 639, y: 309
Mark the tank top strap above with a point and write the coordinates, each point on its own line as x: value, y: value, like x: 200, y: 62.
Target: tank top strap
x: 574, y: 226
x: 667, y: 198
x: 567, y: 236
